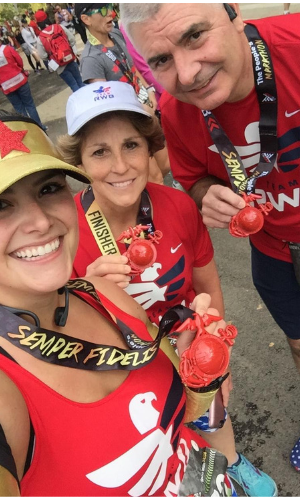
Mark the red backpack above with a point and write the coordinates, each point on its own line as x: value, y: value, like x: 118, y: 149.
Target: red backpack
x: 56, y: 44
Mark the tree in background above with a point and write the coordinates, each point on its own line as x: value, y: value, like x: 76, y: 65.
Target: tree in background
x: 9, y: 10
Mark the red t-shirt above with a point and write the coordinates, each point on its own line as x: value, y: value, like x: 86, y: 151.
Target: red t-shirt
x: 185, y: 244
x: 130, y: 443
x: 194, y: 156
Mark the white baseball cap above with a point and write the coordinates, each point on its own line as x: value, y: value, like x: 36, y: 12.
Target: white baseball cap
x: 97, y: 98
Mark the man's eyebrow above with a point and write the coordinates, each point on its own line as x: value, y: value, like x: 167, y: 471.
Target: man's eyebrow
x: 189, y: 32
x: 155, y: 59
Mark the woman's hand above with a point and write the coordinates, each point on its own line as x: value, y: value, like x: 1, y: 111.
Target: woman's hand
x: 112, y: 267
x: 201, y: 305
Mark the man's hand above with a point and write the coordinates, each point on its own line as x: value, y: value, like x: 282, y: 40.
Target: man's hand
x: 112, y: 267
x: 219, y: 204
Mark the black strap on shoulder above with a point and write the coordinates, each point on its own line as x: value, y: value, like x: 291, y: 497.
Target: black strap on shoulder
x: 32, y: 434
x: 144, y: 216
x: 265, y: 86
x: 124, y: 66
x: 29, y: 456
x: 6, y: 458
x: 4, y: 353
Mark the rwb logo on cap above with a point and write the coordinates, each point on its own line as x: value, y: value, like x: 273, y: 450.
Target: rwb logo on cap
x: 103, y: 93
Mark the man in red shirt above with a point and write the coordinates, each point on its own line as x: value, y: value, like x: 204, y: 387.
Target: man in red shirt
x: 233, y: 110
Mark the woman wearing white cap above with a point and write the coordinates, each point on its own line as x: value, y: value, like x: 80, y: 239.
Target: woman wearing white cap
x: 110, y: 136
x: 83, y: 411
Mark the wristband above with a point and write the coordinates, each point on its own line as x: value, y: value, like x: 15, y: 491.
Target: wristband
x: 151, y: 88
x: 213, y: 386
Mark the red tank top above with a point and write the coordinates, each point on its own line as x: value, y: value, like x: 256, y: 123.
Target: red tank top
x: 130, y: 443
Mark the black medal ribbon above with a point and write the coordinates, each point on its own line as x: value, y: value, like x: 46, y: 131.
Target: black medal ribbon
x: 124, y: 66
x: 265, y: 86
x: 64, y: 350
x: 144, y: 215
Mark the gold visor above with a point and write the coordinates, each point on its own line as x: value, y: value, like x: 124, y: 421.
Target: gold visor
x: 24, y: 154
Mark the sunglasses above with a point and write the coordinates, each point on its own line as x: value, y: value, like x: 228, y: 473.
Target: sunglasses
x: 102, y: 10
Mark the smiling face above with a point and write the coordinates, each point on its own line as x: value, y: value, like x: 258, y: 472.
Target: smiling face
x: 116, y: 157
x: 196, y: 53
x: 38, y: 227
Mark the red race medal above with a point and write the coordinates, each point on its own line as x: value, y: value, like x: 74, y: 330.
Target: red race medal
x: 141, y: 253
x: 207, y: 358
x: 249, y: 220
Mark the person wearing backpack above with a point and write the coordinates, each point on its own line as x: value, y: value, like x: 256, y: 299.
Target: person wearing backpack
x: 57, y: 44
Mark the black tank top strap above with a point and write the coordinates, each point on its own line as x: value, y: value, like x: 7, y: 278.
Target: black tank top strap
x: 6, y: 458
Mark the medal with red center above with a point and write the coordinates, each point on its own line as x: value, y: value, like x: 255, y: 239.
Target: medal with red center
x: 207, y: 358
x: 141, y: 252
x: 249, y: 220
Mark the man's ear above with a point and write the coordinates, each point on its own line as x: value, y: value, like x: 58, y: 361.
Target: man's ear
x: 230, y: 11
x: 85, y: 19
x: 237, y: 19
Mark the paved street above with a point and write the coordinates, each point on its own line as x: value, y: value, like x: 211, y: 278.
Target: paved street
x: 264, y: 405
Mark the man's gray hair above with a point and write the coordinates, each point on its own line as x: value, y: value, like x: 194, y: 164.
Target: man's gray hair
x: 137, y: 13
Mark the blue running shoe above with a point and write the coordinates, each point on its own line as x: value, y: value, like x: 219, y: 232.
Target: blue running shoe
x: 295, y: 456
x: 254, y: 482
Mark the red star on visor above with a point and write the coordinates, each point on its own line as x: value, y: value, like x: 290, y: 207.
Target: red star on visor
x: 10, y: 140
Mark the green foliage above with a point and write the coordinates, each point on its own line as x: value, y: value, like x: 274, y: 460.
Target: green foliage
x: 9, y: 10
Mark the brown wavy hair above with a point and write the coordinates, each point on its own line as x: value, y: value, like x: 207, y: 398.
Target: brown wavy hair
x: 70, y: 147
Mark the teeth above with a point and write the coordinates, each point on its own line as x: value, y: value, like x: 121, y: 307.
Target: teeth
x: 41, y: 250
x: 206, y: 83
x: 121, y: 184
x: 38, y: 251
x: 48, y: 248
